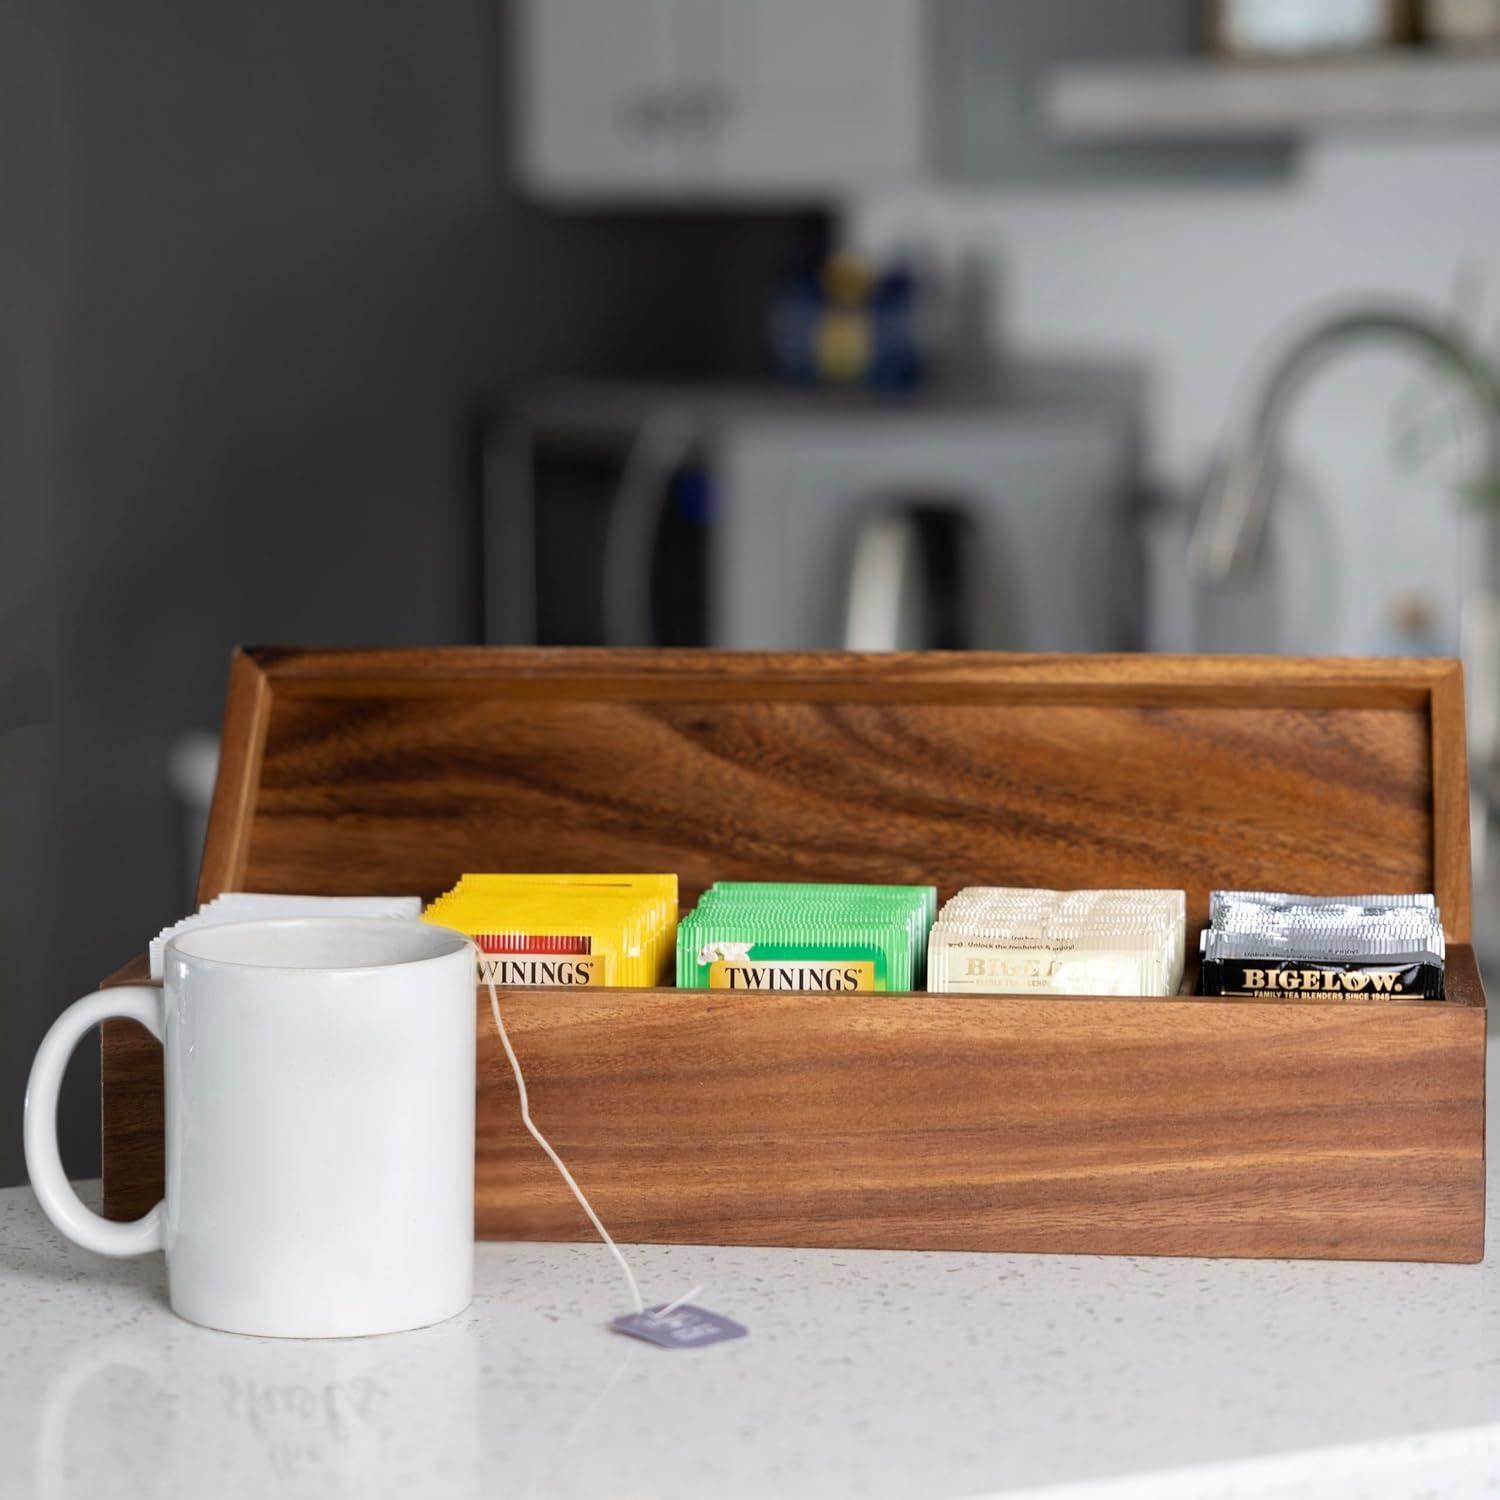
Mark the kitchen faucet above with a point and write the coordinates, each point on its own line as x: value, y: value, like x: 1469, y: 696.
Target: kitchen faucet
x: 1231, y: 522
x: 1232, y: 519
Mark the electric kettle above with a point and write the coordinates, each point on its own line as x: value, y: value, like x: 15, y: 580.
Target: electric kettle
x: 920, y: 577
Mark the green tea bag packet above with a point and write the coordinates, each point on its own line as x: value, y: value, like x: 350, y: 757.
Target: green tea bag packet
x: 803, y: 936
x: 785, y: 959
x: 893, y: 927
x: 919, y: 901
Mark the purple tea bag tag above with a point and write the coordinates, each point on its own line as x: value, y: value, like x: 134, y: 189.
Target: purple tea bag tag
x: 682, y: 1327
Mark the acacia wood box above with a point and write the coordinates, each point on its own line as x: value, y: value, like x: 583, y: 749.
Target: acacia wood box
x: 1180, y: 1126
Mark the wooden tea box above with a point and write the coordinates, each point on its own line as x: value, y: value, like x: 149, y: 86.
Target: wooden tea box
x: 1179, y: 1126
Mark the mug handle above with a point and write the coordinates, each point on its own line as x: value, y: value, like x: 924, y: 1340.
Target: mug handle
x: 136, y: 1002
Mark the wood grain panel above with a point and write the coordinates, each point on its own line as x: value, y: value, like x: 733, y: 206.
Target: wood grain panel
x: 1175, y: 1127
x: 669, y: 728
x: 386, y: 794
x: 1088, y: 1126
x: 132, y: 1118
x: 242, y: 741
x: 573, y: 672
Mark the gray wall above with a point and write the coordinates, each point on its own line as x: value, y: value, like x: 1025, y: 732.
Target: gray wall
x: 287, y: 283
x: 29, y: 931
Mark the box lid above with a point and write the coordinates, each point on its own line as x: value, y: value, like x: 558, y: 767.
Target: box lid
x: 396, y: 771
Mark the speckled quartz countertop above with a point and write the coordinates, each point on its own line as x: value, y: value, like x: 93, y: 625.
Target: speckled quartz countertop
x: 865, y: 1373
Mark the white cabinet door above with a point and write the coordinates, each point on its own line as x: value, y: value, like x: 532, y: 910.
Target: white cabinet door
x: 596, y: 82
x: 716, y: 98
x: 821, y: 93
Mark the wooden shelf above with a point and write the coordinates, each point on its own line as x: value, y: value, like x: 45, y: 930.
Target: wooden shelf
x: 1206, y: 100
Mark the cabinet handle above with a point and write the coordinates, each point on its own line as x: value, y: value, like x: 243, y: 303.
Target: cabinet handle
x: 703, y: 109
x: 647, y: 114
x: 690, y: 110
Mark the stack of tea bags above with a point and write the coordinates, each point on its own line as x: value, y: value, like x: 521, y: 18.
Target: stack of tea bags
x: 785, y: 936
x: 1010, y: 941
x: 257, y: 906
x: 1270, y: 943
x: 566, y: 929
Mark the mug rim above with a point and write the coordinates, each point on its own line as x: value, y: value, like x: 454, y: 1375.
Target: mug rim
x: 444, y: 943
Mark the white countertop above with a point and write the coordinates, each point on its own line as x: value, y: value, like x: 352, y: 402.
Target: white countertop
x: 865, y: 1373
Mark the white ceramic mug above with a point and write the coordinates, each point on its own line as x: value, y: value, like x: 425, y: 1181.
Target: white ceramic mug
x: 319, y: 1077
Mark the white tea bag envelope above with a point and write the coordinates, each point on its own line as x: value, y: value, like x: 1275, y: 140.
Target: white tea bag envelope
x: 256, y: 906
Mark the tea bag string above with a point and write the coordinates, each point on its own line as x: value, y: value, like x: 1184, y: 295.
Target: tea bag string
x: 556, y: 1160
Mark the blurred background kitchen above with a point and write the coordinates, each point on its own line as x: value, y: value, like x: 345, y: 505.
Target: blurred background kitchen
x: 1029, y: 324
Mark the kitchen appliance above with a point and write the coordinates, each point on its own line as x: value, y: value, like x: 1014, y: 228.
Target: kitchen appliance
x: 920, y: 576
x: 775, y: 519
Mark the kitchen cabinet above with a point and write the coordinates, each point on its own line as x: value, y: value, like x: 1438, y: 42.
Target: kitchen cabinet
x: 690, y: 99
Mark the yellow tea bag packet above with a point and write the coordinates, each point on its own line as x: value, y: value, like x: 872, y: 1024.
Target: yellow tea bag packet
x: 566, y: 929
